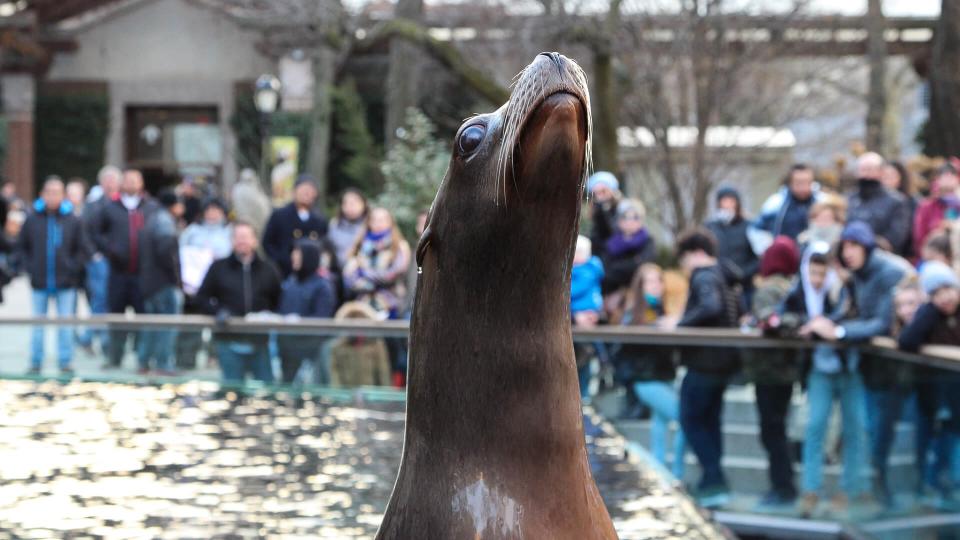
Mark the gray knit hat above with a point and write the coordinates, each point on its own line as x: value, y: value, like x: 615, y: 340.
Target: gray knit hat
x: 935, y: 275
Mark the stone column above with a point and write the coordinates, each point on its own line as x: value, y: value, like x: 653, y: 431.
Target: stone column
x: 19, y: 96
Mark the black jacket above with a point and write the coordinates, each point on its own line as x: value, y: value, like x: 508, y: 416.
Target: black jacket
x: 159, y: 254
x: 240, y: 290
x: 112, y: 233
x: 284, y: 228
x: 66, y: 246
x: 710, y: 304
x: 735, y: 251
x: 604, y: 219
x: 886, y: 211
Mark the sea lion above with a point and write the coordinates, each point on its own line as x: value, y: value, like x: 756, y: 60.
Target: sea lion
x: 494, y: 443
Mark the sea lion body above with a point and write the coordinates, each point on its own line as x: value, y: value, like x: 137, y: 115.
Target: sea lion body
x: 494, y: 444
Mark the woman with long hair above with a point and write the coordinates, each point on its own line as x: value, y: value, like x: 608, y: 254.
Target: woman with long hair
x: 649, y: 372
x: 375, y: 271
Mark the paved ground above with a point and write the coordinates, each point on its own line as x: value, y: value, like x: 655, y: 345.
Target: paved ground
x: 15, y: 345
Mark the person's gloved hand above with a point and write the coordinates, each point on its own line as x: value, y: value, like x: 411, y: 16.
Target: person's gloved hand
x: 222, y: 317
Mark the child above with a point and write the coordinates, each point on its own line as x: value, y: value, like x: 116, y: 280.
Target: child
x: 305, y: 293
x: 649, y: 371
x: 359, y: 361
x: 831, y: 378
x: 585, y: 304
x: 935, y: 322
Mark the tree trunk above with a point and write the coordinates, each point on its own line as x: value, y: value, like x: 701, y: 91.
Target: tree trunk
x: 606, y: 147
x: 944, y: 129
x: 318, y: 155
x: 404, y: 75
x: 877, y: 59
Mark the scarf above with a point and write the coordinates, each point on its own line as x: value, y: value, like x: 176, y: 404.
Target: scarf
x: 619, y: 244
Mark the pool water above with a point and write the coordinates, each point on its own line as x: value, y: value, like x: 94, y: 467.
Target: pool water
x: 104, y: 460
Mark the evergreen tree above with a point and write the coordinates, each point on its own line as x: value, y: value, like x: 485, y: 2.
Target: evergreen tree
x: 355, y: 154
x: 413, y: 170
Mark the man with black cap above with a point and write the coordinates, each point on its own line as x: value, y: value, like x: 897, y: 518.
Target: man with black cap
x: 874, y: 276
x: 160, y: 280
x: 295, y: 221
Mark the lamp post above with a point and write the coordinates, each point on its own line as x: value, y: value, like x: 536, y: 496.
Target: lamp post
x: 266, y: 97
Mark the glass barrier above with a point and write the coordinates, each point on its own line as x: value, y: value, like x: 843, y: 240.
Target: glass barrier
x: 774, y: 436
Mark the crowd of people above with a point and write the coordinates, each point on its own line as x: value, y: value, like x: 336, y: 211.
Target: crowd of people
x: 187, y: 251
x: 841, y: 269
x: 818, y: 264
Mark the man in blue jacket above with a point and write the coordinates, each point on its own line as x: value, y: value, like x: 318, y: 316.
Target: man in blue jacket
x: 874, y: 276
x: 51, y: 247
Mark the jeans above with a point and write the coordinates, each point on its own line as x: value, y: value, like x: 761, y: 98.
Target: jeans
x: 773, y: 406
x: 822, y: 390
x: 935, y: 427
x: 238, y: 358
x: 157, y: 344
x: 66, y: 302
x: 884, y: 407
x: 294, y: 350
x: 124, y: 291
x: 662, y: 399
x: 701, y: 404
x: 98, y: 274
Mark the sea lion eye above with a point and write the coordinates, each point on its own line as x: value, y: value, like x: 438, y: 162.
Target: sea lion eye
x: 471, y: 138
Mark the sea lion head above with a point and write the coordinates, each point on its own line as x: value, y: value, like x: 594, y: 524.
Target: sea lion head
x: 516, y: 176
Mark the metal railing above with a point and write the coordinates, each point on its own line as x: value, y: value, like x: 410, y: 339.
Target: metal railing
x: 941, y: 356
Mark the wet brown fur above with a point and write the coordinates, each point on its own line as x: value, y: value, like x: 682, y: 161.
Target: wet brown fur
x: 494, y: 444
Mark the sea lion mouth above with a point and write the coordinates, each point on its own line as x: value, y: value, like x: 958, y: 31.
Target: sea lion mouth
x: 548, y: 80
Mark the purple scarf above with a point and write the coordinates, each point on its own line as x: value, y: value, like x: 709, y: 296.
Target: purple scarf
x: 619, y: 245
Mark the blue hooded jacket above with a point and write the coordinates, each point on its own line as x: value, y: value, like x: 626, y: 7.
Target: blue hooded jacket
x: 585, y: 286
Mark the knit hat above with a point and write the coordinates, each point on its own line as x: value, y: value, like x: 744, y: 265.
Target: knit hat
x: 627, y: 206
x: 935, y: 275
x: 602, y: 178
x: 305, y: 179
x: 218, y: 202
x: 584, y: 246
x: 782, y: 257
x: 728, y: 191
x: 168, y: 197
x: 860, y: 233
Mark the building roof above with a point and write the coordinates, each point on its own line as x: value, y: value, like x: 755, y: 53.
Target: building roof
x: 717, y: 137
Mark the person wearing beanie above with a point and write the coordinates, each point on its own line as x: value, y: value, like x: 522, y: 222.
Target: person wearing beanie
x: 774, y: 371
x: 603, y: 189
x: 298, y: 220
x: 887, y: 212
x: 736, y: 255
x: 160, y: 281
x: 936, y: 322
x: 874, y: 275
x: 201, y: 243
x: 306, y: 293
x: 630, y: 246
x: 832, y: 378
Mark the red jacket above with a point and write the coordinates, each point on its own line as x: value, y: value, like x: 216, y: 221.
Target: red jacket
x: 929, y: 216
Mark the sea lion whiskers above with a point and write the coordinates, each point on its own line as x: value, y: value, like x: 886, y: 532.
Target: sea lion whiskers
x: 531, y: 87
